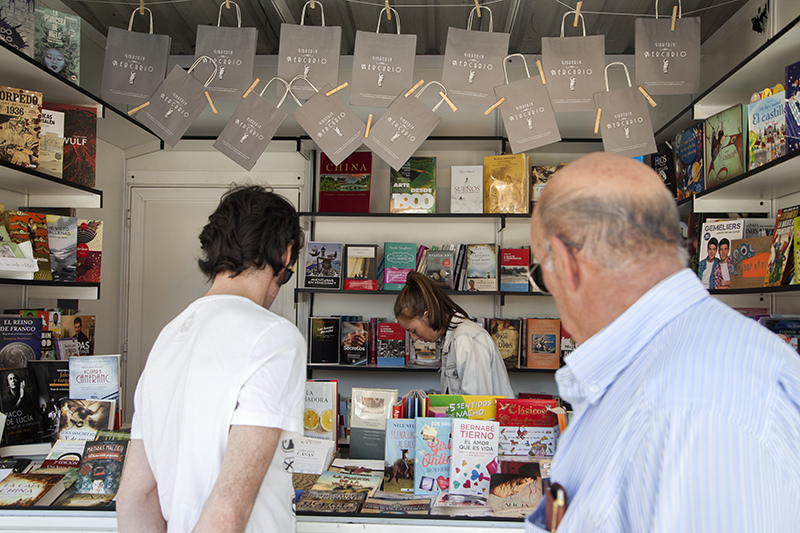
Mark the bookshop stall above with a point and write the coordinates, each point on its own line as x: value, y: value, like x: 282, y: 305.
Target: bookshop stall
x: 398, y: 160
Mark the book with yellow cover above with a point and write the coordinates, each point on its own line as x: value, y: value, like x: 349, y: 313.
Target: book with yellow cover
x: 506, y: 184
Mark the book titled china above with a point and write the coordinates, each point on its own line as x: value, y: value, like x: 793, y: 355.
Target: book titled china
x: 432, y: 447
x: 57, y: 38
x: 413, y: 187
x: 345, y: 188
x: 80, y: 143
x: 543, y: 343
x: 766, y: 125
x: 323, y: 265
x: 399, y: 455
x: 506, y: 184
x: 481, y: 266
x: 20, y: 126
x: 89, y: 253
x: 474, y: 457
x: 29, y: 490
x: 361, y: 267
x: 466, y: 189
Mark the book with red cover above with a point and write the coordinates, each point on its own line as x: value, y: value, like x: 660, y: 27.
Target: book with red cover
x: 528, y: 412
x: 344, y: 188
x: 80, y: 142
x: 90, y: 250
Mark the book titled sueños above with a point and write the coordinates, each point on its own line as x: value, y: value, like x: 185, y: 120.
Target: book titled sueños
x: 432, y: 448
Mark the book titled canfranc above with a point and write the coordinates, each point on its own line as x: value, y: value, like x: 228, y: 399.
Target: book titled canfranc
x: 345, y: 188
x: 506, y: 184
x: 20, y: 126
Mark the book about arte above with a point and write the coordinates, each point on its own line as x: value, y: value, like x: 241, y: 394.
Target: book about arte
x: 30, y: 490
x: 466, y: 189
x: 432, y: 449
x: 689, y: 167
x: 481, y: 267
x: 51, y: 146
x: 399, y: 455
x: 20, y: 126
x: 17, y: 19
x: 62, y: 233
x: 23, y: 226
x: 749, y: 260
x: 514, y: 269
x: 792, y: 111
x: 413, y: 187
x: 89, y: 253
x: 506, y: 184
x: 324, y: 340
x: 474, y: 457
x: 399, y: 258
x: 361, y: 267
x: 714, y: 260
x: 94, y: 377
x: 320, y: 414
x: 473, y: 407
x: 355, y: 343
x: 323, y: 266
x: 101, y: 468
x: 19, y: 401
x: 441, y: 265
x: 80, y: 327
x: 80, y: 143
x: 780, y: 254
x: 57, y: 43
x: 766, y: 130
x: 540, y: 175
x: 20, y: 340
x: 506, y: 334
x: 663, y: 163
x: 725, y: 154
x: 82, y: 419
x: 345, y: 188
x: 543, y: 343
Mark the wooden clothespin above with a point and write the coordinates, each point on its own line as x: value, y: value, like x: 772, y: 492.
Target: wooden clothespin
x: 227, y: 4
x: 494, y: 105
x: 313, y: 4
x: 577, y: 13
x: 414, y: 88
x: 647, y: 96
x: 541, y: 71
x: 250, y: 89
x: 446, y: 99
x: 369, y: 125
x: 211, y: 102
x: 141, y: 7
x: 478, y: 7
x: 336, y: 89
x: 674, y: 17
x: 138, y: 108
x: 388, y: 10
x: 597, y: 120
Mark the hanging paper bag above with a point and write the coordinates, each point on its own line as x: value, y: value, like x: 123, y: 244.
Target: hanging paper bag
x: 625, y: 119
x: 251, y: 127
x: 574, y: 68
x: 383, y: 65
x: 310, y: 51
x: 472, y: 61
x: 527, y: 112
x: 403, y: 127
x: 234, y: 50
x: 135, y: 64
x: 176, y: 103
x: 668, y: 62
x: 330, y: 122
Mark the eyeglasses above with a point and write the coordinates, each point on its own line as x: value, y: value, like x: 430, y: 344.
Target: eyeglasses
x: 535, y: 274
x: 288, y: 275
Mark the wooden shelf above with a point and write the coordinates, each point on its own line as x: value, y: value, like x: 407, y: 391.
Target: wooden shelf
x: 45, y: 190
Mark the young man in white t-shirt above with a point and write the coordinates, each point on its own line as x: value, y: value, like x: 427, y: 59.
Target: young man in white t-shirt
x: 222, y: 391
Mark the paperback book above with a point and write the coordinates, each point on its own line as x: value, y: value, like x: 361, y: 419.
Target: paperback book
x: 28, y: 490
x: 20, y: 126
x: 399, y: 258
x: 62, y: 234
x: 312, y: 455
x: 474, y: 407
x: 714, y: 260
x: 370, y: 408
x: 57, y: 38
x: 725, y: 156
x: 466, y: 189
x: 441, y: 266
x: 689, y: 171
x: 663, y: 163
x: 413, y: 187
x: 81, y: 328
x: 540, y: 175
x: 52, y: 385
x: 515, y: 495
x: 506, y: 184
x: 101, y: 467
x: 94, y: 378
x: 345, y: 188
x: 481, y: 266
x: 80, y: 142
x: 474, y: 457
x: 320, y: 414
x: 390, y: 344
x: 16, y: 19
x: 543, y: 341
x: 399, y: 455
x: 23, y: 226
x: 792, y: 112
x: 766, y: 130
x: 355, y: 343
x: 514, y: 269
x: 780, y: 253
x: 82, y: 419
x: 65, y: 454
x: 51, y: 147
x: 324, y: 340
x: 323, y: 265
x: 18, y: 400
x: 20, y: 341
x: 432, y: 449
x: 361, y: 267
x: 89, y: 253
x: 505, y: 333
x: 526, y: 412
x: 749, y: 260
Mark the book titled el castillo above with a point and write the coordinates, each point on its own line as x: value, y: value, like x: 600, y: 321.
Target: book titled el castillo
x: 345, y: 188
x: 80, y: 143
x: 20, y: 126
x: 766, y: 125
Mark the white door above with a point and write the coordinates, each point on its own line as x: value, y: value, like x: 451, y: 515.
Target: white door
x: 163, y: 276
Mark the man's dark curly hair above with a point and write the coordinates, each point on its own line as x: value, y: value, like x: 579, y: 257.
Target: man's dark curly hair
x: 250, y: 228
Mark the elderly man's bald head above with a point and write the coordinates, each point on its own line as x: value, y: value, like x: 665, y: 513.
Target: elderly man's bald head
x: 616, y: 210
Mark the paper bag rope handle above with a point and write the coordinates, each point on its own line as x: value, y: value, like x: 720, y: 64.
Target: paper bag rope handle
x: 238, y: 12
x: 474, y: 9
x: 396, y: 15
x: 312, y: 2
x: 130, y: 22
x: 577, y: 15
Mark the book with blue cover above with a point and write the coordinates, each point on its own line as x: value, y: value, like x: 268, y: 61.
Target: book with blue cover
x: 766, y: 130
x: 689, y: 171
x: 432, y: 462
x: 792, y: 114
x: 399, y: 455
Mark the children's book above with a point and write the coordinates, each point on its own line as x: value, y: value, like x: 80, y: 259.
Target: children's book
x: 780, y: 253
x: 399, y: 455
x: 81, y: 328
x: 474, y: 407
x: 32, y: 227
x: 413, y: 187
x: 474, y: 457
x: 766, y: 130
x: 323, y: 267
x: 28, y: 490
x: 20, y: 126
x: 89, y: 254
x: 466, y: 189
x: 101, y: 467
x: 526, y: 412
x: 481, y: 261
x: 792, y: 112
x: 62, y: 234
x: 543, y: 342
x: 399, y: 258
x: 345, y: 188
x: 355, y: 343
x: 749, y: 260
x: 514, y: 269
x: 433, y: 444
x: 320, y: 416
x: 19, y: 401
x: 506, y: 184
x: 80, y: 143
x: 506, y: 334
x: 528, y: 440
x: 714, y: 259
x: 725, y: 155
x: 689, y: 168
x: 57, y: 38
x: 324, y: 340
x: 361, y: 267
x: 94, y: 377
x: 16, y: 19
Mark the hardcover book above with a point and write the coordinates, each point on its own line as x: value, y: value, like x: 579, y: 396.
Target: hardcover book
x: 51, y: 146
x: 80, y: 142
x: 66, y: 348
x: 514, y: 269
x: 399, y: 258
x: 505, y: 333
x: 62, y: 234
x: 481, y: 262
x: 20, y: 341
x: 18, y: 400
x: 390, y: 344
x: 663, y: 163
x: 543, y: 343
x: 780, y: 253
x: 474, y: 457
x: 323, y: 265
x: 23, y: 226
x: 506, y: 184
x: 466, y: 189
x: 94, y: 378
x: 540, y: 175
x: 57, y: 38
x: 432, y: 449
x: 399, y: 455
x: 526, y: 412
x: 749, y: 260
x: 413, y: 187
x: 714, y: 267
x: 361, y: 267
x: 528, y: 440
x: 766, y: 130
x: 725, y: 156
x: 81, y: 328
x: 82, y: 419
x: 329, y: 501
x: 89, y: 253
x: 320, y: 415
x: 101, y: 467
x: 474, y: 407
x: 20, y: 126
x: 324, y: 340
x: 440, y: 268
x: 345, y: 188
x: 27, y: 490
x: 792, y: 111
x: 689, y: 171
x: 515, y: 495
x: 355, y: 343
x: 16, y: 19
x: 52, y: 385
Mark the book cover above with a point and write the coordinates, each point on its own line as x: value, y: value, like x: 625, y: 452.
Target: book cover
x: 432, y: 449
x: 324, y: 340
x: 399, y: 258
x: 466, y: 189
x: 51, y: 146
x: 506, y: 184
x: 312, y: 455
x: 505, y: 333
x: 528, y: 441
x: 749, y: 260
x: 540, y: 175
x: 425, y: 353
x: 766, y: 130
x: 689, y: 171
x: 82, y: 419
x: 514, y: 269
x: 66, y: 348
x: 89, y: 253
x: 481, y: 262
x: 28, y: 490
x: 474, y: 457
x: 345, y: 188
x: 474, y: 407
x: 515, y: 495
x: 370, y: 408
x: 80, y: 143
x: 543, y: 343
x: 663, y: 163
x: 20, y: 126
x: 85, y: 500
x: 23, y: 226
x: 388, y: 504
x: 94, y: 378
x: 390, y: 344
x: 780, y: 253
x: 320, y: 413
x: 65, y: 454
x: 399, y: 455
x: 792, y: 111
x: 101, y: 468
x: 568, y: 343
x: 440, y: 268
x: 714, y: 259
x: 20, y: 340
x: 347, y: 482
x: 329, y: 501
x: 361, y: 267
x: 355, y: 343
x: 413, y: 187
x: 62, y: 234
x: 52, y: 386
x: 18, y: 400
x: 16, y: 21
x: 57, y: 43
x: 323, y: 265
x: 526, y: 412
x: 81, y: 328
x: 724, y: 155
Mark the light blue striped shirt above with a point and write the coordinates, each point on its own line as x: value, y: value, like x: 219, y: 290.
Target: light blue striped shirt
x: 687, y: 418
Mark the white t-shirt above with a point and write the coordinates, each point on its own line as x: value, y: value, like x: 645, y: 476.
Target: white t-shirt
x: 223, y: 361
x: 723, y: 266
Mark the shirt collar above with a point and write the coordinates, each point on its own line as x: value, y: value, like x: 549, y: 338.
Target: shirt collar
x: 596, y: 363
x: 448, y: 335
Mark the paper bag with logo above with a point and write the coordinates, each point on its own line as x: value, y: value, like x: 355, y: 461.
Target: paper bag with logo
x: 234, y: 50
x: 383, y: 65
x: 330, y: 122
x: 574, y: 68
x: 527, y: 112
x: 251, y: 127
x: 310, y: 51
x: 175, y: 104
x: 403, y: 128
x: 668, y: 62
x: 472, y: 61
x: 135, y: 64
x: 625, y: 119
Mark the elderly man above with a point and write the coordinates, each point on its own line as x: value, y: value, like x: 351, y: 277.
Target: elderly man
x: 686, y: 412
